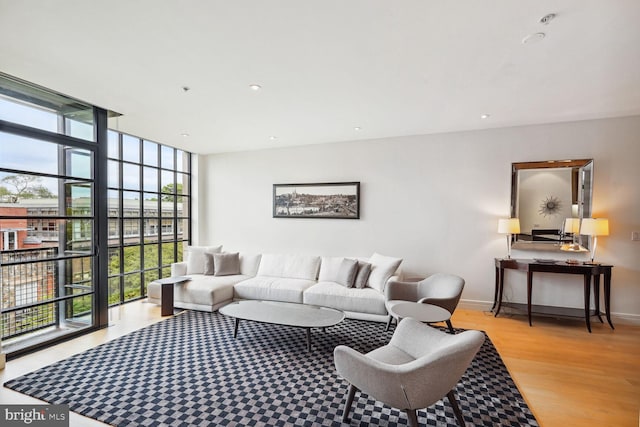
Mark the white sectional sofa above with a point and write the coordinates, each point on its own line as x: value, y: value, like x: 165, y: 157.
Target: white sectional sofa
x: 324, y: 281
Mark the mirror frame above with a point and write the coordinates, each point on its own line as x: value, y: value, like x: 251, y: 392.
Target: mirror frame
x: 584, y: 197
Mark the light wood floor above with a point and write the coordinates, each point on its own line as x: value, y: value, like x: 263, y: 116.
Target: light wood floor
x: 567, y: 376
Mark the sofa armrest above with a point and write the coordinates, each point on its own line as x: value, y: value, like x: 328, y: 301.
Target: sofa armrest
x: 178, y: 269
x: 396, y: 290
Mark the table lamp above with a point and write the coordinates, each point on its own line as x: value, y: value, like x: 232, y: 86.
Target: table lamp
x: 594, y: 227
x: 509, y: 226
x: 572, y: 225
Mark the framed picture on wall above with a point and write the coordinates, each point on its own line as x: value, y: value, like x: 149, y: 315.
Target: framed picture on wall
x: 339, y: 200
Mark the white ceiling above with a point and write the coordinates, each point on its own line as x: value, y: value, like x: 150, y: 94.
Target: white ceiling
x: 393, y: 68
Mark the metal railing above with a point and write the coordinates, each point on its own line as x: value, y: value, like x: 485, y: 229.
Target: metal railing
x: 27, y: 281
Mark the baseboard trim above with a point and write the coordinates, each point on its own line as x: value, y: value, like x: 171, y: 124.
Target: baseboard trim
x: 476, y: 305
x: 624, y: 318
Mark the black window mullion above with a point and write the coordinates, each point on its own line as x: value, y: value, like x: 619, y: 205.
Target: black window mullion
x: 121, y: 217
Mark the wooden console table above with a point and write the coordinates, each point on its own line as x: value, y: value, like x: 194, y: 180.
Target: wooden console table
x: 587, y: 270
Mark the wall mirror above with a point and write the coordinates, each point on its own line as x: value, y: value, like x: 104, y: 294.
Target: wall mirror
x: 543, y: 195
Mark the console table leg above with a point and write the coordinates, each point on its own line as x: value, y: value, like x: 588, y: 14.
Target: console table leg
x: 587, y: 300
x: 500, y: 289
x: 309, y: 340
x: 495, y: 290
x: 607, y: 296
x: 529, y: 288
x: 596, y: 295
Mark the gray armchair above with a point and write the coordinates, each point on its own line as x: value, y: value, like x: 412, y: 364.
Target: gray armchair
x: 441, y: 289
x: 418, y: 367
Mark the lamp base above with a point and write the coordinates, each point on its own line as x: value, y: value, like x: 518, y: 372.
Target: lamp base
x: 591, y: 263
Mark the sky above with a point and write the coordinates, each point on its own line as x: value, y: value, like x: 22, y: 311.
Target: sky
x: 32, y: 155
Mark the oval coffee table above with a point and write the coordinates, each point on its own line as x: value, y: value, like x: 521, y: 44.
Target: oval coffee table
x: 283, y: 313
x: 427, y: 313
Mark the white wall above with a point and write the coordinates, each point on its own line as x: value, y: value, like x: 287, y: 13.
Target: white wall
x: 433, y: 200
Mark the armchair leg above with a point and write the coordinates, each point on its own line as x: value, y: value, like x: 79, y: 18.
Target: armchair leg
x: 347, y: 404
x: 456, y: 408
x: 413, y: 418
x: 451, y: 331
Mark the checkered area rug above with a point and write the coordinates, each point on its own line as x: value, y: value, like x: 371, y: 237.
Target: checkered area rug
x: 189, y: 370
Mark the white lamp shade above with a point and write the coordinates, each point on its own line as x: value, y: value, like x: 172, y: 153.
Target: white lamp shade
x: 572, y: 225
x: 509, y: 226
x: 595, y: 227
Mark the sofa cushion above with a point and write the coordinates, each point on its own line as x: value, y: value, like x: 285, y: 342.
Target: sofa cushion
x: 195, y: 257
x: 272, y: 289
x: 226, y: 264
x: 289, y: 266
x: 249, y: 264
x: 334, y: 295
x: 206, y: 290
x: 347, y: 272
x: 382, y: 268
x: 362, y: 276
x: 329, y: 267
x: 209, y: 269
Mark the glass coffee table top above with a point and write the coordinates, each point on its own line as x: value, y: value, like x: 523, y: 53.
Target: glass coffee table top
x: 283, y: 313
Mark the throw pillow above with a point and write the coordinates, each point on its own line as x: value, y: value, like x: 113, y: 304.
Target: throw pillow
x: 364, y: 269
x: 382, y: 268
x: 226, y: 264
x: 195, y: 257
x: 209, y: 269
x: 347, y: 272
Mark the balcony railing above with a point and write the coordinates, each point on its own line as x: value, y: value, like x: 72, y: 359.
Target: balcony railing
x: 27, y: 282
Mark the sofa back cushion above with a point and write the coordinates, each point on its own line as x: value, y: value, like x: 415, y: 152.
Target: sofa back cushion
x: 329, y: 267
x: 249, y: 264
x: 289, y: 266
x: 382, y: 268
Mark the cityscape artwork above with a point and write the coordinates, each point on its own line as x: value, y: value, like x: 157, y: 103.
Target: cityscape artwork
x: 326, y: 200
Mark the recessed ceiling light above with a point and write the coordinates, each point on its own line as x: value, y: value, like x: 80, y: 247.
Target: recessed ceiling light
x: 485, y: 116
x: 533, y: 38
x: 273, y: 138
x: 255, y: 87
x: 186, y: 88
x: 357, y: 128
x: 184, y: 134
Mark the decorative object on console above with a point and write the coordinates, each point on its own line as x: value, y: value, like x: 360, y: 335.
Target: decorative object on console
x: 572, y: 227
x: 509, y: 226
x: 594, y: 227
x: 338, y: 200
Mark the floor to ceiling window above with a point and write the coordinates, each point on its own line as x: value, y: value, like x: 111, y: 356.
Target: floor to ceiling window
x: 148, y: 200
x: 57, y: 162
x: 48, y: 150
